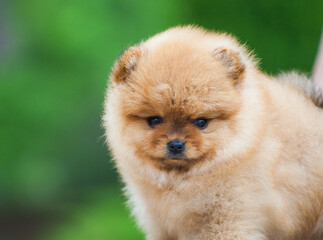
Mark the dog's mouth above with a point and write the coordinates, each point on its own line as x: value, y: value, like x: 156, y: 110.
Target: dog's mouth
x: 180, y: 162
x: 176, y: 157
x: 180, y: 158
x: 172, y: 159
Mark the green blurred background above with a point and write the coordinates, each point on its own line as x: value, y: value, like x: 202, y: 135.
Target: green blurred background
x: 56, y: 178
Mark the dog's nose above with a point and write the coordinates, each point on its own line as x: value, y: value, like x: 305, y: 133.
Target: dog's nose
x: 176, y: 146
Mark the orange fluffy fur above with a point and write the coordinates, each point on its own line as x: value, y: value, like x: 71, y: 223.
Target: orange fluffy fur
x: 255, y: 172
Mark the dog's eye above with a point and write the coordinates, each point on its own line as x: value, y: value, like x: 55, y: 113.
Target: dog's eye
x: 152, y: 121
x: 201, y: 123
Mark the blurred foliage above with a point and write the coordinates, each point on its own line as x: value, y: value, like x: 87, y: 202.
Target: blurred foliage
x: 101, y: 219
x: 55, y: 57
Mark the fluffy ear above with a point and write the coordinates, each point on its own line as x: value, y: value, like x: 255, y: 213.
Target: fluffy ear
x: 232, y: 61
x: 125, y: 64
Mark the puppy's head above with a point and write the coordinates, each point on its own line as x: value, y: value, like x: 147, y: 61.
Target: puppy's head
x: 173, y: 99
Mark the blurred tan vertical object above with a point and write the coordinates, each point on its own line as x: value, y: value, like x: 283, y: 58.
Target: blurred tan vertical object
x: 318, y: 67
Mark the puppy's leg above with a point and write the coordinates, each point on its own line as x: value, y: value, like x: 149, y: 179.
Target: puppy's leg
x: 160, y: 237
x: 228, y: 236
x: 318, y: 230
x: 229, y: 231
x: 158, y: 234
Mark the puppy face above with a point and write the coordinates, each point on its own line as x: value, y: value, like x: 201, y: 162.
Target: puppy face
x: 177, y: 102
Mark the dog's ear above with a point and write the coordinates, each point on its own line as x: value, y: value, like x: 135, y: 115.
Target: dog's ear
x: 125, y: 64
x: 231, y: 60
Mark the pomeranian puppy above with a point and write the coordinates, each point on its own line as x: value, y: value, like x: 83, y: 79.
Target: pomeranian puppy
x: 209, y: 147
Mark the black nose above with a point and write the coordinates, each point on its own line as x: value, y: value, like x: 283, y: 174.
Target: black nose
x: 176, y: 146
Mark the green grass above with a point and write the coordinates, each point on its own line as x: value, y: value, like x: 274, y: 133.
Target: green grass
x: 104, y: 217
